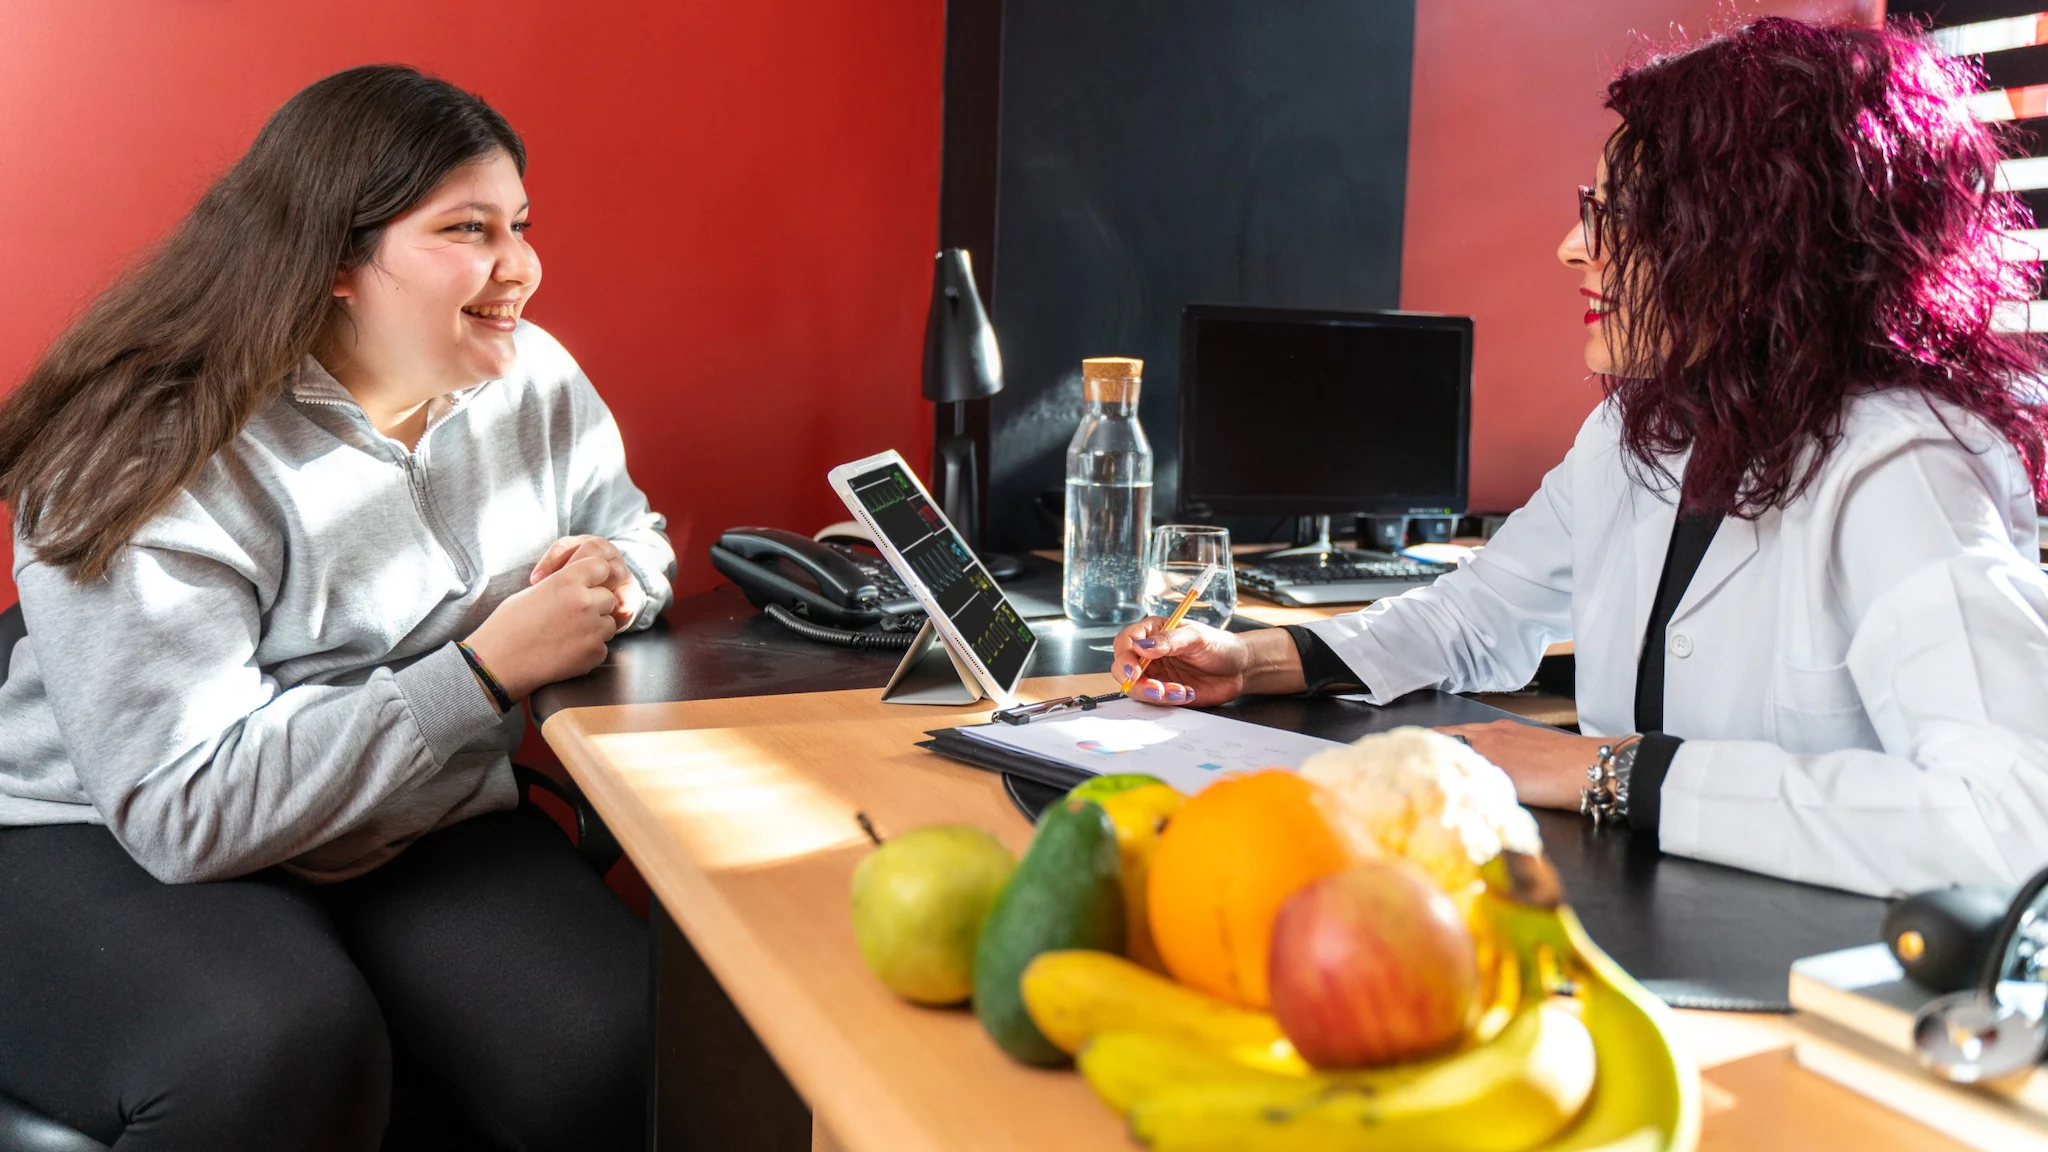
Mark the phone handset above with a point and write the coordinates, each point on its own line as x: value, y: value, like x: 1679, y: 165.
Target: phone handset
x: 776, y: 568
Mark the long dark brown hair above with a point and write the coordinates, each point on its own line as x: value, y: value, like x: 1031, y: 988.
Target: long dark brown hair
x: 169, y: 364
x: 1804, y: 212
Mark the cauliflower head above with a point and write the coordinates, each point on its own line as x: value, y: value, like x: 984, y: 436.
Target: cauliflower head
x: 1421, y: 796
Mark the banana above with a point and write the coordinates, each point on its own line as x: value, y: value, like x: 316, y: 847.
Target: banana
x: 1127, y: 1067
x: 1648, y: 1099
x: 1075, y: 995
x: 1506, y: 983
x: 1512, y: 1094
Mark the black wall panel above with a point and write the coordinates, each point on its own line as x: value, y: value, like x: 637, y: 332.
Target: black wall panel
x: 1155, y: 153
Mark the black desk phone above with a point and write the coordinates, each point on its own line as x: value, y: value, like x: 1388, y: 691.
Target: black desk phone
x: 826, y: 591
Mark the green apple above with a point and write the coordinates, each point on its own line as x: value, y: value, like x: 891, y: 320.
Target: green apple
x: 918, y: 903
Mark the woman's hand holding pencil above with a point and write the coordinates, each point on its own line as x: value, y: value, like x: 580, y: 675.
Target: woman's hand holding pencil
x: 1188, y: 600
x: 1198, y: 664
x: 1190, y: 664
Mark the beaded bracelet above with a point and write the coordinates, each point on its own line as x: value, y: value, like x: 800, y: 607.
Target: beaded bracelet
x: 1605, y: 796
x: 476, y: 664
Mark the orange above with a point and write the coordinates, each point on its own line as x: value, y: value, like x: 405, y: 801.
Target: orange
x: 1228, y: 859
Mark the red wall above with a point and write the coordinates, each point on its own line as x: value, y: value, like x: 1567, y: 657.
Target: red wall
x: 1505, y: 124
x: 736, y: 203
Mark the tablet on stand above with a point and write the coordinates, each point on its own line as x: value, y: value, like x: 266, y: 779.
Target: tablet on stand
x: 974, y: 643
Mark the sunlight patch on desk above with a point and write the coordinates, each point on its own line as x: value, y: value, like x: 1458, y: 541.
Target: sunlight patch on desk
x: 730, y: 797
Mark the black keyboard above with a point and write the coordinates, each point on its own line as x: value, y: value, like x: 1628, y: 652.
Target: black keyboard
x: 1336, y: 578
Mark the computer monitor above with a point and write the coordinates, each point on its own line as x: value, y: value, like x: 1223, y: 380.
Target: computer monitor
x: 1299, y: 413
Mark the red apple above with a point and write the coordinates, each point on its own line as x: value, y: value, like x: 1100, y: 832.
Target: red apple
x: 1371, y: 966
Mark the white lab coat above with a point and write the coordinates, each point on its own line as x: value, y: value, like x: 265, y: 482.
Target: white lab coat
x: 1861, y: 679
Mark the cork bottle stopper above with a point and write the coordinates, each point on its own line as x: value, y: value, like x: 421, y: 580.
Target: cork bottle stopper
x: 1112, y: 379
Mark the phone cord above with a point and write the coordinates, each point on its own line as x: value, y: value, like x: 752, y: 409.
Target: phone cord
x: 829, y: 635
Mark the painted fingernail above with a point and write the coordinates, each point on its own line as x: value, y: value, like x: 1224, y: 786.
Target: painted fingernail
x: 1147, y: 642
x: 1149, y: 692
x: 1177, y: 694
x: 1130, y: 670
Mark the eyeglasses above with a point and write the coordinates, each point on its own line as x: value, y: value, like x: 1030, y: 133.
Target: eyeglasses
x: 1592, y: 222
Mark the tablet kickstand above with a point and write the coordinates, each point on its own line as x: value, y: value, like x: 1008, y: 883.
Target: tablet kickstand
x: 931, y: 674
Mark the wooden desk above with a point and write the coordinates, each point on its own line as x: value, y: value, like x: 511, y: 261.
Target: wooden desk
x: 740, y: 813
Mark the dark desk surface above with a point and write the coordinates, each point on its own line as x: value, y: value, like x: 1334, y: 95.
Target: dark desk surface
x: 1698, y: 934
x: 715, y: 645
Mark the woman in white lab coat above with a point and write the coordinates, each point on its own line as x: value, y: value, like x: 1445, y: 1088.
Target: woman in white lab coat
x: 1795, y: 545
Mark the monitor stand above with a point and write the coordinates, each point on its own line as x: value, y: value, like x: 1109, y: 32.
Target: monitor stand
x: 1321, y: 545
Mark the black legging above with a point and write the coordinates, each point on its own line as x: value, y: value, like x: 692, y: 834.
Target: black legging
x: 486, y: 962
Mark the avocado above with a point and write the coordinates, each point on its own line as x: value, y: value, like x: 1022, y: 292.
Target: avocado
x: 1064, y: 894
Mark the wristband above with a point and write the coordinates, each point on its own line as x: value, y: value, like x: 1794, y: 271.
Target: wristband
x: 499, y: 696
x: 1322, y: 669
x: 1656, y: 750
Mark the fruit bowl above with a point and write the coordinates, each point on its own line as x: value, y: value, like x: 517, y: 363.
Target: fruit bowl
x: 1575, y: 1056
x: 1370, y: 954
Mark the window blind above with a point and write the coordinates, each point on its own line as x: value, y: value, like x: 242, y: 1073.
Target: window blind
x: 2010, y: 41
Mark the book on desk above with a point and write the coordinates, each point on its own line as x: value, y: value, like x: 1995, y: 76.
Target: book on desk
x: 1854, y: 1010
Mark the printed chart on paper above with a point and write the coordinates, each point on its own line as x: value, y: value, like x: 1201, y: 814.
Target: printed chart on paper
x: 1187, y: 749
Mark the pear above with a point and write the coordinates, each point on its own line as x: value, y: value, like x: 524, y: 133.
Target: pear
x: 918, y: 903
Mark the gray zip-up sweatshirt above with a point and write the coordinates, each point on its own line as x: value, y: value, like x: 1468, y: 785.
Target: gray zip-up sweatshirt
x: 268, y: 673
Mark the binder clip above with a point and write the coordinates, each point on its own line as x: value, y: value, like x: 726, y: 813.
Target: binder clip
x: 1026, y: 713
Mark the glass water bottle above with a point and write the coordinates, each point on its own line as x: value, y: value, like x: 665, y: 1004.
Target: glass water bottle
x: 1109, y: 497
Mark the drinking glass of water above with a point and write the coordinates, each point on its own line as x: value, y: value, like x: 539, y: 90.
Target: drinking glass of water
x: 1177, y: 557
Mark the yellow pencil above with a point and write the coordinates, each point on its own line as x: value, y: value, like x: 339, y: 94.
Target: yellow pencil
x: 1194, y: 593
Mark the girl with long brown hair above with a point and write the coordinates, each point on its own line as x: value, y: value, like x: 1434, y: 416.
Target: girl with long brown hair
x: 303, y: 508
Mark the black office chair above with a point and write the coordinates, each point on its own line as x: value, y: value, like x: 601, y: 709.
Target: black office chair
x: 23, y: 1129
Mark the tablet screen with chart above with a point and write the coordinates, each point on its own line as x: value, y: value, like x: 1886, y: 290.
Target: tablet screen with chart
x: 963, y: 591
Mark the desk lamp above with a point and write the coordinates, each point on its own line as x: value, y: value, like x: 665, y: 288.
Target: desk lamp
x: 961, y: 363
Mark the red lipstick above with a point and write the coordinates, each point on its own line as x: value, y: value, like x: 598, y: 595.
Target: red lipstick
x: 1593, y: 315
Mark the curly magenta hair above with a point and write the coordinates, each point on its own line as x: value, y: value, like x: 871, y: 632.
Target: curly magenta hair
x: 1804, y: 213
